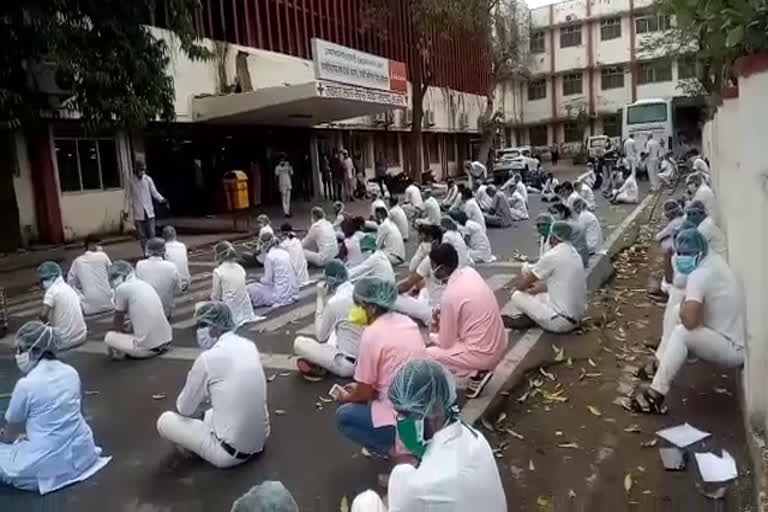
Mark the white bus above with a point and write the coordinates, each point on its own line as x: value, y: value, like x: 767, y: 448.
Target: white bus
x: 644, y: 117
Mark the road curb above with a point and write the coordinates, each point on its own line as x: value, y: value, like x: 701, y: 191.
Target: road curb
x: 511, y: 368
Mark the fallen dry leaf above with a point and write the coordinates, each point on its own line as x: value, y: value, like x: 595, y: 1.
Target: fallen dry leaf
x: 325, y: 399
x: 558, y: 433
x: 501, y: 417
x: 593, y: 375
x: 559, y: 353
x: 279, y: 412
x: 344, y: 505
x: 523, y: 397
x: 641, y: 469
x: 159, y: 396
x: 531, y: 467
x: 628, y: 483
x: 571, y: 494
x: 591, y: 363
x: 542, y: 501
x: 487, y: 425
x: 365, y: 452
x: 649, y: 444
x: 515, y: 434
x: 547, y: 374
x: 90, y: 393
x: 594, y: 410
x: 568, y: 445
x: 285, y: 374
x: 272, y: 377
x: 632, y: 429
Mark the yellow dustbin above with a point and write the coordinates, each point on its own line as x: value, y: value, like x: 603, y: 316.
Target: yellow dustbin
x: 236, y: 190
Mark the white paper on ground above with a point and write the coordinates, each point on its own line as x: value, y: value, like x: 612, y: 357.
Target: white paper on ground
x: 682, y: 435
x: 716, y: 469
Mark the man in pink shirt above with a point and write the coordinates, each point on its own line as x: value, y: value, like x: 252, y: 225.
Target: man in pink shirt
x: 389, y: 340
x: 471, y: 339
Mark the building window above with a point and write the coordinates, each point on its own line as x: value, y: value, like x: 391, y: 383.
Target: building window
x: 610, y: 28
x: 654, y: 71
x: 538, y: 135
x: 651, y: 23
x: 570, y: 36
x: 537, y: 42
x: 686, y: 67
x: 87, y: 164
x: 537, y: 90
x: 572, y: 84
x: 612, y: 78
x: 611, y: 125
x: 571, y: 132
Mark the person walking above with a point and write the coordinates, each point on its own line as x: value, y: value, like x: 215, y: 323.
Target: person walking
x: 555, y: 155
x: 349, y: 174
x: 325, y: 174
x: 140, y: 192
x: 337, y: 176
x: 653, y: 148
x: 284, y: 172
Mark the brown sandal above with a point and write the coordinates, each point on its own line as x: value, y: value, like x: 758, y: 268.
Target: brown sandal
x: 648, y: 402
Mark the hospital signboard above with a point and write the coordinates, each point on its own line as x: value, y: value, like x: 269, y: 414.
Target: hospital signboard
x: 326, y: 89
x: 346, y: 65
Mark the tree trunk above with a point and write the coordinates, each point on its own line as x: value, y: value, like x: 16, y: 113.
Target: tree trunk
x: 487, y: 125
x: 10, y: 238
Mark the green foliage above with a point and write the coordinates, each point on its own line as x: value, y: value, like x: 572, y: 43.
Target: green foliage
x: 95, y: 57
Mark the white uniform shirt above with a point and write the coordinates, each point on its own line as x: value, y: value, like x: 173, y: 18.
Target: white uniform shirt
x: 457, y: 473
x: 451, y: 194
x: 520, y: 187
x: 630, y: 149
x: 653, y: 148
x: 292, y: 246
x: 478, y: 240
x: 474, y: 213
x: 457, y: 241
x: 378, y: 203
x: 478, y: 170
x: 413, y: 196
x: 629, y: 191
x: 571, y: 198
x: 280, y: 276
x: 586, y: 193
x: 321, y: 237
x: 390, y: 240
x: 335, y: 319
x: 163, y: 277
x: 354, y: 254
x: 593, y: 234
x: 376, y: 265
x: 714, y: 285
x: 88, y: 276
x: 176, y: 253
x: 400, y: 219
x: 229, y: 287
x: 422, y: 252
x: 714, y: 237
x: 483, y: 199
x: 284, y: 172
x: 433, y: 287
x: 700, y: 165
x: 141, y: 192
x: 707, y: 197
x: 66, y: 313
x: 432, y: 211
x: 231, y: 376
x: 562, y: 269
x: 141, y: 303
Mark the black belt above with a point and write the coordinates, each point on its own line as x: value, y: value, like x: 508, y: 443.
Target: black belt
x: 234, y: 453
x: 574, y: 322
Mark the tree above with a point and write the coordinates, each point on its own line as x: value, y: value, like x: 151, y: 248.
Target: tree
x: 508, y: 48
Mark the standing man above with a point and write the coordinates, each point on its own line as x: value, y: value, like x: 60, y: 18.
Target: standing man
x: 380, y: 166
x: 284, y: 171
x: 653, y: 149
x: 349, y: 174
x: 325, y: 173
x: 476, y: 173
x: 140, y: 192
x: 555, y: 155
x: 337, y: 176
x: 631, y: 152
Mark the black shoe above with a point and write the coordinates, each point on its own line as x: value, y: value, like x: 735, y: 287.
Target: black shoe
x: 518, y: 322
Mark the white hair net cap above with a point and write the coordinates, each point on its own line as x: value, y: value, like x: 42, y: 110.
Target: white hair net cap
x: 156, y: 247
x: 422, y: 386
x: 224, y: 251
x: 368, y: 501
x: 215, y: 314
x: 169, y: 233
x: 269, y: 496
x: 562, y: 230
x: 37, y: 335
x: 119, y: 268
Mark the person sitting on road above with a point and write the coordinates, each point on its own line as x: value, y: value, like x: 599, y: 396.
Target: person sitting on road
x: 88, y: 277
x: 452, y: 236
x: 579, y: 237
x: 338, y: 340
x: 472, y: 209
x: 349, y: 248
x: 229, y: 284
x: 589, y: 225
x: 628, y: 193
x: 61, y: 307
x: 399, y: 217
x: 268, y: 496
x: 696, y: 212
x: 709, y: 323
x: 548, y: 193
x: 451, y: 194
x: 375, y: 262
x: 229, y: 376
x: 470, y: 339
x: 264, y: 223
x: 668, y: 172
x: 454, y: 467
x: 499, y: 215
x: 483, y: 198
x: 389, y: 239
x: 458, y: 203
x: 476, y: 173
x: 515, y: 184
x: 292, y: 246
x: 544, y: 222
x: 420, y: 292
x: 389, y: 340
x: 338, y: 210
x: 518, y: 206
x: 265, y: 226
x: 413, y: 204
x: 377, y: 202
x: 478, y: 245
x: 431, y: 210
x: 160, y: 274
x: 320, y: 243
x: 147, y: 332
x: 673, y: 212
x: 552, y: 293
x: 278, y: 285
x: 584, y: 190
x: 567, y: 194
x: 698, y: 189
x: 700, y: 165
x: 46, y: 443
x: 176, y: 253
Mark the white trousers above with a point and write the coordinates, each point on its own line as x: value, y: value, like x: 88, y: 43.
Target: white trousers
x: 478, y: 256
x: 324, y: 355
x: 417, y: 308
x: 315, y: 258
x: 411, y: 212
x: 286, y: 197
x: 538, y: 308
x: 197, y: 437
x: 126, y: 344
x: 653, y: 173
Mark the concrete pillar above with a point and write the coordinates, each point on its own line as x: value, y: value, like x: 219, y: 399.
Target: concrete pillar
x: 314, y: 157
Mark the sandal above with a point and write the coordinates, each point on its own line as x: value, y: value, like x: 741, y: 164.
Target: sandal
x: 648, y: 371
x: 648, y: 401
x: 477, y: 384
x: 309, y: 371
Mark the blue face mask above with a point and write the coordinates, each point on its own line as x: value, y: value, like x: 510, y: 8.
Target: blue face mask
x: 686, y: 263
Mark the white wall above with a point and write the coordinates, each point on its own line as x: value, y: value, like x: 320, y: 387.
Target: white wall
x: 22, y: 186
x: 612, y: 51
x: 574, y: 57
x: 568, y: 11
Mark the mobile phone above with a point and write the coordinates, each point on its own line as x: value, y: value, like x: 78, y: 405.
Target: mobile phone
x: 335, y: 391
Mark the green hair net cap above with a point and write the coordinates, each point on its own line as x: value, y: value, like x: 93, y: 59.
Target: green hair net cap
x: 269, y: 496
x: 448, y: 223
x: 48, y: 270
x: 372, y: 290
x: 37, y: 335
x: 335, y: 273
x: 119, y: 268
x: 156, y: 247
x: 367, y: 244
x: 562, y: 230
x: 216, y: 314
x: 224, y: 251
x: 691, y: 241
x: 422, y: 386
x: 687, y: 225
x: 671, y: 206
x: 544, y: 218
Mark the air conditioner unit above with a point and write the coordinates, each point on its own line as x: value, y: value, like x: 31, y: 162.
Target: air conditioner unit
x: 463, y: 120
x: 428, y: 119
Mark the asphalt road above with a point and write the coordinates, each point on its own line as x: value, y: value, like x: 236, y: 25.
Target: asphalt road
x: 304, y: 450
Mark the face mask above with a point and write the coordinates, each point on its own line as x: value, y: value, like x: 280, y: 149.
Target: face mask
x: 543, y: 230
x: 116, y: 282
x: 358, y: 315
x: 691, y: 188
x: 204, y: 339
x: 411, y: 433
x: 686, y: 264
x: 47, y: 283
x: 24, y: 362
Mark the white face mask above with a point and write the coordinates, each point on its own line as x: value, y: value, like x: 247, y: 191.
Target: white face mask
x: 47, y: 283
x: 691, y: 188
x: 25, y: 363
x: 204, y: 339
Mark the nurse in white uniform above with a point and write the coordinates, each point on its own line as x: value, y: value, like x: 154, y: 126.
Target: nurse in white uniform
x: 61, y: 307
x: 700, y: 191
x: 696, y: 213
x: 160, y: 274
x: 46, y: 443
x: 88, y: 277
x: 292, y: 246
x: 229, y: 376
x: 229, y: 284
x: 589, y: 225
x: 176, y: 253
x: 278, y: 285
x: 456, y: 468
x: 320, y: 244
x: 478, y: 245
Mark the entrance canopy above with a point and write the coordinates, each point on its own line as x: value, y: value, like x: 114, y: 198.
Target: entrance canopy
x: 305, y: 104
